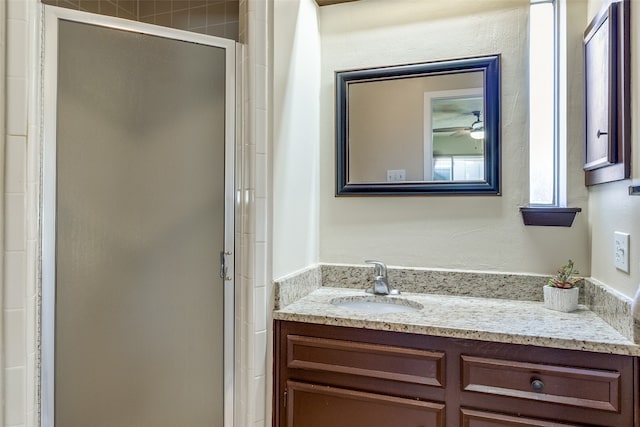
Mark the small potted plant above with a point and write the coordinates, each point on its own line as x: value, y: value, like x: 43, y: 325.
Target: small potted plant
x: 561, y: 292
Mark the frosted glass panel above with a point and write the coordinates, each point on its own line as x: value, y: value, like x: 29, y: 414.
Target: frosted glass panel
x: 140, y: 224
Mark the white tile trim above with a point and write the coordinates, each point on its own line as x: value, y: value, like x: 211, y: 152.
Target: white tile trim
x: 255, y: 403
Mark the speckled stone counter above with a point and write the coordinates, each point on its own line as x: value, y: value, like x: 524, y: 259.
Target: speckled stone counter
x: 486, y: 319
x: 606, y: 303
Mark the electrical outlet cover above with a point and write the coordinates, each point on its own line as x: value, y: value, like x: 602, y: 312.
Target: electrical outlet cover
x: 396, y: 175
x: 621, y: 251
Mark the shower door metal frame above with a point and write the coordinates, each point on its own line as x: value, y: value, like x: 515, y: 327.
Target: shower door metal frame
x: 49, y: 59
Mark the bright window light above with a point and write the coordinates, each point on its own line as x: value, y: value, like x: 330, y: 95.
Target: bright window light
x: 542, y: 105
x: 458, y: 168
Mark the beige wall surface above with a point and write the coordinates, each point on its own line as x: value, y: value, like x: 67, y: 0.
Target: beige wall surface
x: 611, y: 209
x: 470, y: 233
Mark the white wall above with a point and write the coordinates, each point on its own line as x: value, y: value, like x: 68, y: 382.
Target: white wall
x: 610, y: 207
x: 296, y: 90
x: 470, y: 233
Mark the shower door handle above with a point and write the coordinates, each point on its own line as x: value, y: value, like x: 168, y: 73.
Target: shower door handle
x: 223, y: 265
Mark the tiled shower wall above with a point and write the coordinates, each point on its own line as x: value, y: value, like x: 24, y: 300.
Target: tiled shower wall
x: 212, y: 17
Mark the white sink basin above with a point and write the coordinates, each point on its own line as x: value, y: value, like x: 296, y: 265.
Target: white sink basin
x: 379, y: 305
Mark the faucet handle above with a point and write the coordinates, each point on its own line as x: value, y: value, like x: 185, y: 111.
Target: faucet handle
x: 380, y: 267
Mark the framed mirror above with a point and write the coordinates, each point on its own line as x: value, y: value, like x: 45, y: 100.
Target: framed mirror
x: 419, y: 129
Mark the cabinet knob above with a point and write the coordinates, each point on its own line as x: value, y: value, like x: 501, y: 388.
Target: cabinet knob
x: 537, y: 385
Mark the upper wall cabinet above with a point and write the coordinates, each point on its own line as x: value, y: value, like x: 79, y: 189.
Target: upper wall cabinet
x: 607, y: 152
x: 420, y: 129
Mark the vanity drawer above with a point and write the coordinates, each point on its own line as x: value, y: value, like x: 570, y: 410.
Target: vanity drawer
x: 565, y: 385
x: 473, y: 418
x: 400, y: 364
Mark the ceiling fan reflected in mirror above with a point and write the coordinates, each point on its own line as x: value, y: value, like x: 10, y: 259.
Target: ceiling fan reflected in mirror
x: 475, y: 131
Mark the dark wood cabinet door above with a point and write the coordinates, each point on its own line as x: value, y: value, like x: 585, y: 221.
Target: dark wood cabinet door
x: 312, y: 405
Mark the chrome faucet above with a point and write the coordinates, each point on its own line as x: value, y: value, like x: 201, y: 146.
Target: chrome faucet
x: 380, y: 282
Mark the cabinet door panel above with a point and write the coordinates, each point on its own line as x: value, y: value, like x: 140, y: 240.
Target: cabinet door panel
x: 310, y: 405
x: 471, y: 418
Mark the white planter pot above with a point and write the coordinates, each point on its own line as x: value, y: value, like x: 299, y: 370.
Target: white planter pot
x: 561, y: 299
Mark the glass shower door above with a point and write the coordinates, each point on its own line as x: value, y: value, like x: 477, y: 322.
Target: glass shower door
x: 139, y: 227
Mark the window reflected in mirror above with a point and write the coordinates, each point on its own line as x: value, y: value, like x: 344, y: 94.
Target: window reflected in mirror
x: 456, y: 136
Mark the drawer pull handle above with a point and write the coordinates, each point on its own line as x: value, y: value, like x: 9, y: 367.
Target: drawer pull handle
x: 537, y: 386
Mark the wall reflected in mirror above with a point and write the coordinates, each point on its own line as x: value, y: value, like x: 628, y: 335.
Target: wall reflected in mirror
x: 419, y: 128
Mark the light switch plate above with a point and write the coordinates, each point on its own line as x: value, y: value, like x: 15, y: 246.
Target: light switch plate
x: 621, y: 251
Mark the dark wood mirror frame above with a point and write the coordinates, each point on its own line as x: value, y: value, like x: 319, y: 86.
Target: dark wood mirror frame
x: 489, y: 65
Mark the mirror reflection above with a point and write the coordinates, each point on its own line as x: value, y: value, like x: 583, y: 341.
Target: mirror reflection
x: 416, y: 129
x: 419, y: 127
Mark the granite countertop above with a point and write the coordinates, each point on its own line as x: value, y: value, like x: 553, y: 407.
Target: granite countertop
x: 485, y: 319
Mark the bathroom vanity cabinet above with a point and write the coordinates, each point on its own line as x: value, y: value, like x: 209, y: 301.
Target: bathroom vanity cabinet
x: 330, y: 376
